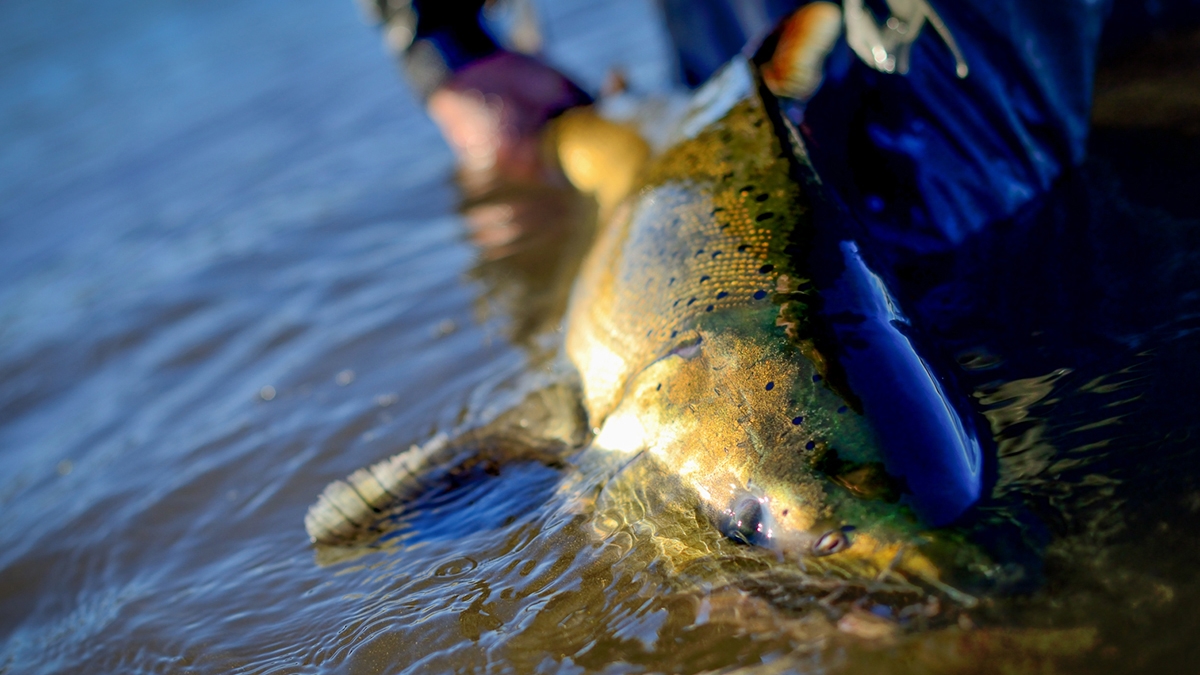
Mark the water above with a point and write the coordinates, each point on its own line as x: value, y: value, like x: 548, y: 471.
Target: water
x: 234, y: 269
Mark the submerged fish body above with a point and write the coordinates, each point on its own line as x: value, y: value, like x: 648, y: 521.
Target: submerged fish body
x: 692, y: 328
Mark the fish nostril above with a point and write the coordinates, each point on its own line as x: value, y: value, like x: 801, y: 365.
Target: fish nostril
x: 831, y: 542
x: 743, y: 522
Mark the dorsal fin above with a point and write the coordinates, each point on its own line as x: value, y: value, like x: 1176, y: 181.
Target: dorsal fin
x: 797, y: 65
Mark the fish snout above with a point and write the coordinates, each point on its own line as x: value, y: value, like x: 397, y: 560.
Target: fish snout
x: 750, y: 520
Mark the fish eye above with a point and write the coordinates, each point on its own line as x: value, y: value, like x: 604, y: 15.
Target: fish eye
x: 831, y: 542
x: 743, y: 522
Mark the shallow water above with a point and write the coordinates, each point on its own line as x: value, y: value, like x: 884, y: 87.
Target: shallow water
x: 234, y: 269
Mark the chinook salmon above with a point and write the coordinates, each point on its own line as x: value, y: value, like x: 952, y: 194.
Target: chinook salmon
x: 718, y: 334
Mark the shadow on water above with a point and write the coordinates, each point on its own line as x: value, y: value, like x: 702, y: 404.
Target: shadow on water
x: 271, y: 285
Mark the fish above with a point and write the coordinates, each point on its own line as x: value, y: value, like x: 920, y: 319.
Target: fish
x: 709, y: 338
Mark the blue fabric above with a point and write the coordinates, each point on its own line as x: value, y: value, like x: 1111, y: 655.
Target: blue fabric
x: 454, y: 28
x: 928, y: 443
x: 1133, y: 20
x: 927, y: 159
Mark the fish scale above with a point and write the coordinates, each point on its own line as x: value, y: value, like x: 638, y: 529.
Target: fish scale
x: 697, y: 230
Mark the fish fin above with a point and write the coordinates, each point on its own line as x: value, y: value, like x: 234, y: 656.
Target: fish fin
x: 348, y: 509
x: 544, y: 427
x: 805, y: 38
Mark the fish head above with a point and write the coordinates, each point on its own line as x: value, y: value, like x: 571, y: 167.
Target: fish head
x: 775, y: 457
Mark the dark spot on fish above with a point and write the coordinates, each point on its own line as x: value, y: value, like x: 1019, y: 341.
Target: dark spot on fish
x: 717, y: 209
x: 690, y: 302
x: 770, y: 386
x: 727, y: 176
x: 676, y: 304
x: 674, y: 332
x: 810, y: 445
x: 816, y: 378
x: 659, y: 387
x: 765, y: 215
x: 704, y: 278
x: 715, y: 254
x: 721, y: 295
x: 842, y: 410
x: 700, y: 252
x: 747, y: 190
x: 760, y: 294
x: 709, y: 308
x: 797, y: 421
x: 785, y: 512
x: 742, y: 248
x: 671, y: 282
x: 765, y: 269
x: 762, y: 198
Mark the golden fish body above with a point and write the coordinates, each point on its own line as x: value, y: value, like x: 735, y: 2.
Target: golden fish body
x: 690, y: 327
